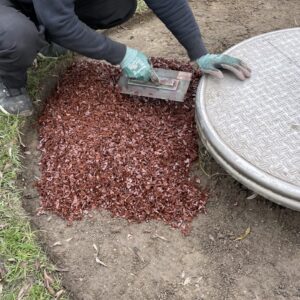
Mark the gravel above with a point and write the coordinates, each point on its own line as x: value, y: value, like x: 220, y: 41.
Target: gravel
x: 131, y: 156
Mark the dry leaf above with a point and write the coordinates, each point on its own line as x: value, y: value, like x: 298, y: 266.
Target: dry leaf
x: 244, y: 235
x: 59, y: 294
x: 187, y: 281
x: 23, y: 291
x: 199, y: 279
x: 156, y: 236
x: 50, y: 289
x: 96, y: 248
x: 57, y: 269
x: 251, y: 197
x: 47, y: 281
x: 48, y: 278
x: 57, y: 244
x: 101, y: 262
x: 3, y: 271
x: 69, y: 240
x: 37, y: 265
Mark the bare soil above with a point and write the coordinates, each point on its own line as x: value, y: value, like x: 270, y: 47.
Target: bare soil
x: 152, y: 260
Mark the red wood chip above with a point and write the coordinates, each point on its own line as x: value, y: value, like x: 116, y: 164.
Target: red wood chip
x: 128, y: 155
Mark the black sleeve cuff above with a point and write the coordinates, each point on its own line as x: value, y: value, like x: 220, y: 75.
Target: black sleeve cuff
x: 195, y: 47
x: 115, y: 52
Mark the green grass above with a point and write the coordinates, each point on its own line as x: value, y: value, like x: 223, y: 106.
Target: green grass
x: 43, y: 68
x: 142, y: 7
x: 22, y: 261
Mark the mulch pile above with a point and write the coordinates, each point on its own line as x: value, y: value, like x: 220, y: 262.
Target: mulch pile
x: 128, y: 155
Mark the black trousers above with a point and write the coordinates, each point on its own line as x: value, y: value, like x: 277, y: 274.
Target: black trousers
x: 21, y: 37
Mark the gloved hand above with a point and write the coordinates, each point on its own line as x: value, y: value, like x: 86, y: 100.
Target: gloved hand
x: 135, y: 65
x: 212, y: 63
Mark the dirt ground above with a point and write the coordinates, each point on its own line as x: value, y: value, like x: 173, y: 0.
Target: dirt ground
x: 153, y: 261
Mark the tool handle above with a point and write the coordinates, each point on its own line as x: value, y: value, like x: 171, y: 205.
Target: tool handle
x: 155, y: 78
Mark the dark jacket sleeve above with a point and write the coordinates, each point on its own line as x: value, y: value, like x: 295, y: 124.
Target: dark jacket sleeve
x: 179, y: 19
x: 65, y: 29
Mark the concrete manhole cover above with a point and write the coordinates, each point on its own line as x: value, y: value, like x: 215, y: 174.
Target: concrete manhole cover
x: 252, y: 128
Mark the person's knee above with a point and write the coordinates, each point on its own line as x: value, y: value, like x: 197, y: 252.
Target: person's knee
x: 132, y: 6
x: 124, y: 12
x: 106, y: 14
x: 19, y: 42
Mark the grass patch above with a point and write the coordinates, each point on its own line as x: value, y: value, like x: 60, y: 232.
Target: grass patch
x: 22, y: 261
x: 142, y: 7
x: 41, y: 70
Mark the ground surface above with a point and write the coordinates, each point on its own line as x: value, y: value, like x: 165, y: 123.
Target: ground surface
x: 153, y: 261
x: 22, y: 262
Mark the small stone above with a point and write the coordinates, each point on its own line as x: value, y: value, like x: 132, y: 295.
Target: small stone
x: 211, y: 237
x: 187, y: 281
x: 220, y: 236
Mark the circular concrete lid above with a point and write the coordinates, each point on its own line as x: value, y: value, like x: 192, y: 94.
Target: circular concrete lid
x: 252, y: 128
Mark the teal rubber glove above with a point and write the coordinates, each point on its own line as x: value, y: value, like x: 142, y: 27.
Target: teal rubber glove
x: 212, y: 63
x: 135, y: 65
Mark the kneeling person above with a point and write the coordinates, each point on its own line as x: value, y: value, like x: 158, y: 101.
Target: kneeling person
x: 26, y: 27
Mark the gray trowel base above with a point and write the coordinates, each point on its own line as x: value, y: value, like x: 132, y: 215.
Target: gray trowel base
x: 247, y: 182
x: 159, y: 92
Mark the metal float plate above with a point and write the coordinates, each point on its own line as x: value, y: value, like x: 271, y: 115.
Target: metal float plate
x: 175, y: 86
x: 252, y: 128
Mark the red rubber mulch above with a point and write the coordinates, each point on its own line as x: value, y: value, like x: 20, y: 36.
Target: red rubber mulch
x: 128, y: 155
